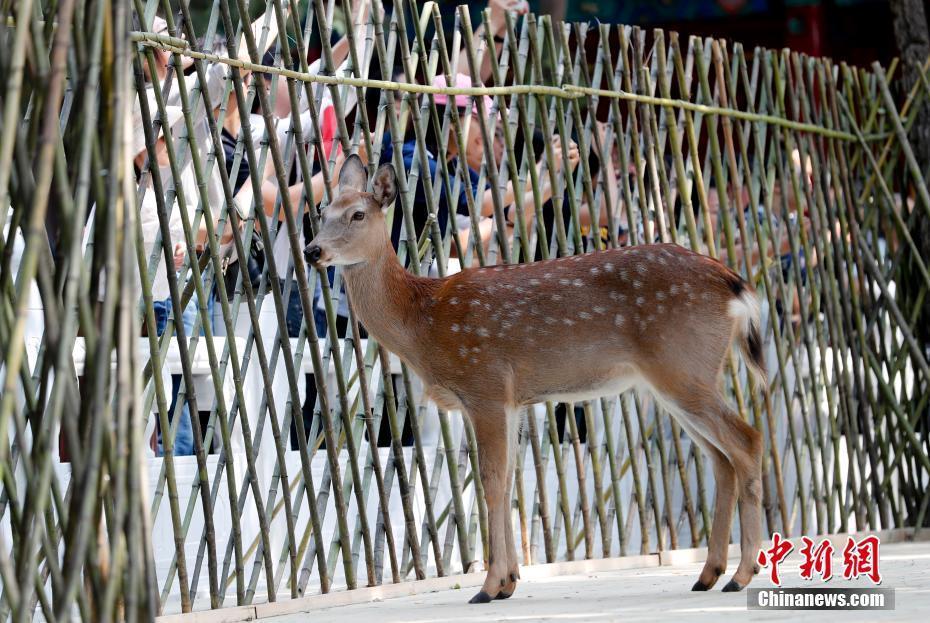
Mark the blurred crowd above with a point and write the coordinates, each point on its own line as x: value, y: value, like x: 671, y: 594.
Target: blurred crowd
x: 181, y: 167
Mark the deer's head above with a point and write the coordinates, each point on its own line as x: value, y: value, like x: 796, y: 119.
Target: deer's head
x: 352, y: 227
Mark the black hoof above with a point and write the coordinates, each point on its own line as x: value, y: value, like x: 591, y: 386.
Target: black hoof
x: 481, y: 598
x: 503, y: 595
x: 732, y: 587
x: 700, y: 586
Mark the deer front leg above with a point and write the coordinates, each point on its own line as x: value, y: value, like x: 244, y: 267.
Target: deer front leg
x: 513, y: 564
x: 493, y: 432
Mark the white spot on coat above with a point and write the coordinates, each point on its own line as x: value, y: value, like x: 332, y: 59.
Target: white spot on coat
x: 619, y: 320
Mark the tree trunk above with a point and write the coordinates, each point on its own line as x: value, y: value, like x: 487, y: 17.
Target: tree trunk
x: 913, y: 41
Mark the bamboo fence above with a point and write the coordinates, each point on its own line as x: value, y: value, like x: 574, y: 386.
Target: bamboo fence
x: 795, y: 171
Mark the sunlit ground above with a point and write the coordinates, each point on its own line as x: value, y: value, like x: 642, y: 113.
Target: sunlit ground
x: 645, y: 595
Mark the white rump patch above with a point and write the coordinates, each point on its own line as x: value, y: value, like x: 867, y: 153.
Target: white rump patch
x: 745, y: 310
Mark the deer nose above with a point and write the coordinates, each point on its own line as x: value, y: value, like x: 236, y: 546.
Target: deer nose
x: 312, y: 253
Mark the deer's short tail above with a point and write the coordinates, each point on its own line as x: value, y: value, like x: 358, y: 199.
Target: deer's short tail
x: 744, y: 308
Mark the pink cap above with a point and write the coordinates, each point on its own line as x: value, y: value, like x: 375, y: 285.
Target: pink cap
x: 462, y: 81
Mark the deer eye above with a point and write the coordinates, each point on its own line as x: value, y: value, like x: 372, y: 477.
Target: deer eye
x: 358, y: 216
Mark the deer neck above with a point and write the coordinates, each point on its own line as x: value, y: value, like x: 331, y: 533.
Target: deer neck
x: 388, y: 300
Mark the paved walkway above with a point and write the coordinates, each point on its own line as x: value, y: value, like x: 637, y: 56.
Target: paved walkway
x: 644, y: 595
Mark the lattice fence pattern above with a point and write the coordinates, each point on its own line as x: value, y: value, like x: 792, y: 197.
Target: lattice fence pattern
x: 182, y: 429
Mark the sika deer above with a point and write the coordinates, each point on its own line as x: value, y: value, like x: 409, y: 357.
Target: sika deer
x: 489, y: 341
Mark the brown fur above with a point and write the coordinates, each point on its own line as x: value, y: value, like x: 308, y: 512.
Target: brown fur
x: 491, y: 340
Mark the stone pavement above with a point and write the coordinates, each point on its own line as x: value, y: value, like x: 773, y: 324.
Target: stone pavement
x: 632, y: 595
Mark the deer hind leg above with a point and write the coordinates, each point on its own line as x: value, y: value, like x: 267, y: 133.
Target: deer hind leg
x: 724, y: 505
x: 735, y: 448
x: 741, y: 444
x: 493, y: 432
x: 749, y: 477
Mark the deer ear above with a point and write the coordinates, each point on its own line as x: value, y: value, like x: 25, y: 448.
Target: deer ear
x: 353, y: 174
x: 384, y: 188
